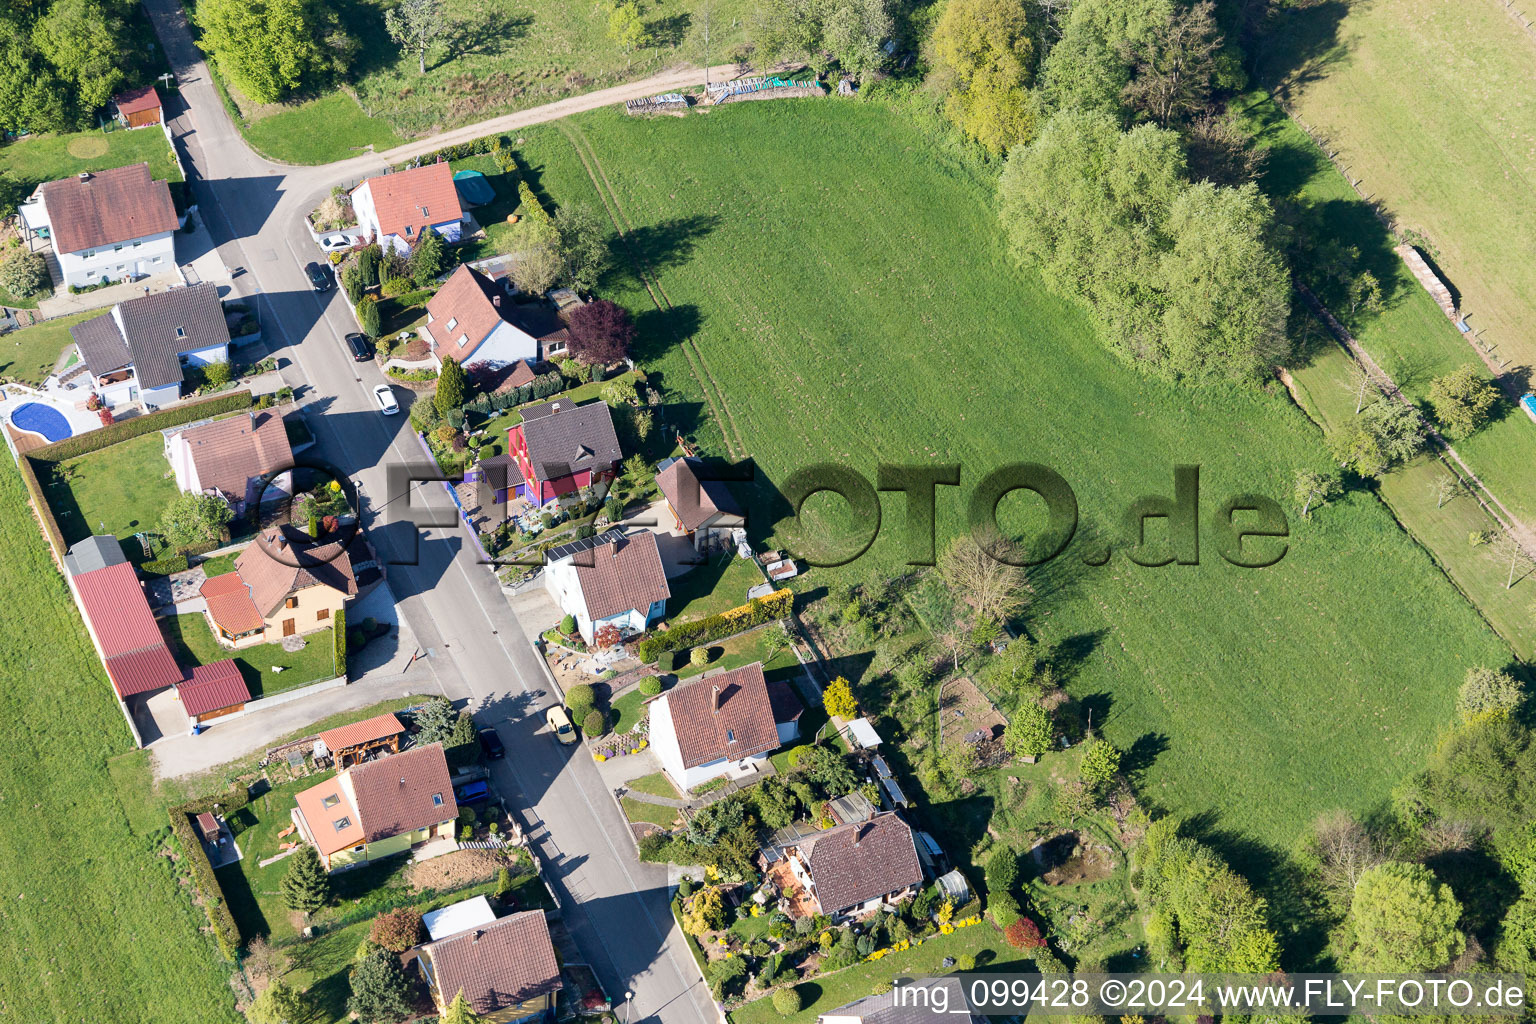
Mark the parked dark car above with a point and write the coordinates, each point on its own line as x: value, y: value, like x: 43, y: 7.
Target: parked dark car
x: 491, y: 744
x: 320, y: 277
x: 473, y: 793
x: 361, y: 351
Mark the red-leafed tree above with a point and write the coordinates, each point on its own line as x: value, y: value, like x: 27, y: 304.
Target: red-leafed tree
x: 396, y: 930
x: 1023, y: 934
x: 601, y: 332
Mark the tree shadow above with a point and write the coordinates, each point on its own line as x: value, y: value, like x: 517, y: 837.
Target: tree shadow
x: 489, y: 34
x: 657, y: 247
x: 1142, y: 754
x: 669, y: 31
x: 1291, y: 47
x: 658, y: 331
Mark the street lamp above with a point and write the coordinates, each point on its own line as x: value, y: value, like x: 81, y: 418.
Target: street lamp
x: 628, y: 995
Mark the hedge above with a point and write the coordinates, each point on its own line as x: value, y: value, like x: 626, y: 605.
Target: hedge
x: 40, y: 503
x: 225, y: 932
x: 123, y: 430
x: 165, y: 566
x: 473, y: 147
x: 717, y: 627
x: 339, y: 632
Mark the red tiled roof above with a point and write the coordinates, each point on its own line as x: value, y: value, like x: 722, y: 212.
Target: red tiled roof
x: 132, y: 101
x: 853, y: 863
x: 213, y: 687
x: 398, y: 793
x: 622, y: 574
x: 742, y: 725
x: 230, y: 452
x: 417, y: 198
x: 136, y: 656
x: 498, y: 966
x: 230, y: 604
x: 108, y: 207
x: 469, y: 301
x: 694, y: 500
x: 376, y: 728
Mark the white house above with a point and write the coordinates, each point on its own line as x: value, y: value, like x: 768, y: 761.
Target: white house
x: 714, y: 725
x: 395, y: 209
x: 469, y: 321
x: 116, y: 225
x: 243, y: 458
x: 612, y: 580
x: 137, y: 349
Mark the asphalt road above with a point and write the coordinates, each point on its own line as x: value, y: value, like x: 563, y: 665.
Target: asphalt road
x: 615, y: 907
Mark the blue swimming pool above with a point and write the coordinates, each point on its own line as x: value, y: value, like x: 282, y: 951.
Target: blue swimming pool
x: 41, y: 419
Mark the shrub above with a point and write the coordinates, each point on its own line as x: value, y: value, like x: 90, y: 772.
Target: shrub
x: 838, y: 699
x: 698, y: 657
x: 369, y: 319
x: 24, y: 273
x: 396, y: 930
x: 567, y: 624
x: 717, y: 627
x: 705, y: 911
x: 594, y: 723
x: 787, y: 1000
x: 650, y: 686
x: 396, y: 286
x: 165, y: 566
x: 580, y: 699
x: 668, y: 660
x: 1024, y: 934
x: 965, y: 962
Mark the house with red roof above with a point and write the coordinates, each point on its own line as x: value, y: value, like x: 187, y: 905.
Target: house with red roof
x: 559, y: 448
x: 281, y: 586
x: 612, y: 580
x: 469, y: 320
x: 138, y: 108
x: 379, y: 808
x: 395, y: 209
x: 851, y: 870
x: 245, y: 457
x: 114, y: 225
x: 720, y: 724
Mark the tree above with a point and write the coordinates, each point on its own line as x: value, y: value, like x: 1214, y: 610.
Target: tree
x: 1314, y: 487
x: 1090, y: 64
x: 1100, y: 762
x: 828, y: 769
x: 1463, y: 400
x: 1403, y: 919
x: 1175, y: 65
x: 699, y: 656
x: 594, y: 724
x: 369, y: 318
x: 396, y: 930
x: 579, y: 699
x: 1359, y: 381
x: 583, y: 246
x: 1221, y: 151
x: 452, y: 385
x: 459, y: 1012
x: 994, y: 589
x: 704, y: 911
x: 627, y: 29
x: 1385, y: 434
x: 415, y: 24
x: 1344, y: 850
x: 435, y: 722
x: 266, y: 48
x: 787, y: 1000
x: 1483, y: 772
x: 620, y: 390
x: 380, y: 991
x: 601, y: 332
x: 1355, y: 447
x: 194, y: 518
x: 428, y: 259
x: 838, y: 699
x: 537, y: 266
x: 280, y: 1004
x: 1487, y: 691
x: 218, y: 373
x: 24, y: 273
x: 1447, y: 488
x: 368, y: 265
x: 1508, y: 546
x: 305, y: 887
x: 84, y: 41
x: 986, y: 45
x: 1029, y: 732
x: 31, y: 95
x: 820, y: 33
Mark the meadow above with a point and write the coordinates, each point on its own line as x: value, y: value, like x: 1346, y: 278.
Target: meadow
x: 1430, y: 106
x: 96, y: 926
x: 833, y: 287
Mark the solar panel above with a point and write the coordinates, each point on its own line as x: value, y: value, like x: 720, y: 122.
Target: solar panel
x: 575, y: 547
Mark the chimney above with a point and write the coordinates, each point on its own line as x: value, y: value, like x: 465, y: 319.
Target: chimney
x: 496, y: 301
x: 858, y: 834
x: 715, y: 699
x: 478, y: 933
x: 282, y: 542
x: 85, y: 175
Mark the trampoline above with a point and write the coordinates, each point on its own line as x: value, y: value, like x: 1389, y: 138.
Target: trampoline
x: 473, y: 188
x: 41, y: 419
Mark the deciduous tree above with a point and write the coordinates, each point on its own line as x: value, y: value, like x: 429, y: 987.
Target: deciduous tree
x: 627, y: 29
x: 1487, y: 691
x: 192, y: 518
x: 601, y: 332
x: 1029, y: 732
x: 583, y: 246
x: 84, y: 41
x: 1403, y: 919
x: 281, y: 1004
x: 23, y: 273
x: 1174, y: 64
x: 396, y: 930
x: 986, y: 46
x: 266, y: 48
x: 416, y: 24
x: 1314, y: 488
x: 838, y: 699
x: 994, y: 589
x: 1463, y: 399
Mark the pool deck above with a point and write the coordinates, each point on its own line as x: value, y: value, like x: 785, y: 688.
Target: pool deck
x: 16, y: 395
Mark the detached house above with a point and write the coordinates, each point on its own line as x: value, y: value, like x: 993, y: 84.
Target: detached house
x: 395, y: 209
x: 469, y: 321
x: 853, y: 869
x: 116, y: 225
x: 506, y: 968
x: 701, y: 507
x: 560, y: 447
x: 612, y: 580
x: 137, y: 349
x: 244, y: 458
x: 379, y: 808
x: 714, y: 725
x: 280, y: 587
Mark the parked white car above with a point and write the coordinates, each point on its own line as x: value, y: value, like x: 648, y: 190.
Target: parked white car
x: 385, y: 396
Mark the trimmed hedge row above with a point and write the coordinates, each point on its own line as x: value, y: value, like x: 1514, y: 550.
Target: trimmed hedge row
x: 40, y: 503
x: 122, y: 430
x: 339, y: 635
x: 165, y: 566
x: 225, y: 932
x: 473, y: 147
x: 717, y: 627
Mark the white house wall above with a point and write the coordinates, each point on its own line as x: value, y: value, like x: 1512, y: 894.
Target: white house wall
x: 154, y: 398
x: 504, y: 346
x: 204, y: 356
x: 180, y: 455
x: 139, y: 257
x: 663, y: 738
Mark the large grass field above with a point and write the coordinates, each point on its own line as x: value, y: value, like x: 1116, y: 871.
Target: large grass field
x: 97, y: 927
x: 1430, y: 105
x: 496, y: 58
x: 41, y: 158
x: 854, y: 303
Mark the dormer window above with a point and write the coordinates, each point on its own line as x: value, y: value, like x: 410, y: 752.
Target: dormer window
x: 730, y: 735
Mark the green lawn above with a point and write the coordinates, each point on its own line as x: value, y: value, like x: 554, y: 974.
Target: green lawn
x: 43, y: 158
x: 332, y: 127
x: 497, y: 424
x: 894, y: 328
x: 626, y: 712
x: 219, y: 564
x: 656, y: 784
x: 500, y: 236
x: 739, y: 651
x: 710, y: 589
x: 119, y: 490
x: 100, y: 926
x: 30, y: 354
x: 639, y: 810
x: 193, y: 643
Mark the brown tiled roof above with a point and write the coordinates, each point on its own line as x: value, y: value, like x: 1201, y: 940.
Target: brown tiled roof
x: 375, y: 728
x: 417, y: 198
x: 132, y: 646
x: 564, y: 438
x: 740, y: 726
x: 854, y: 863
x: 274, y: 568
x: 101, y: 344
x: 230, y: 604
x: 497, y: 966
x: 213, y: 688
x: 229, y: 453
x: 131, y: 101
x: 469, y: 300
x: 694, y: 500
x: 160, y: 326
x: 401, y: 792
x: 624, y: 573
x: 883, y: 1008
x: 107, y: 207
x: 784, y: 701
